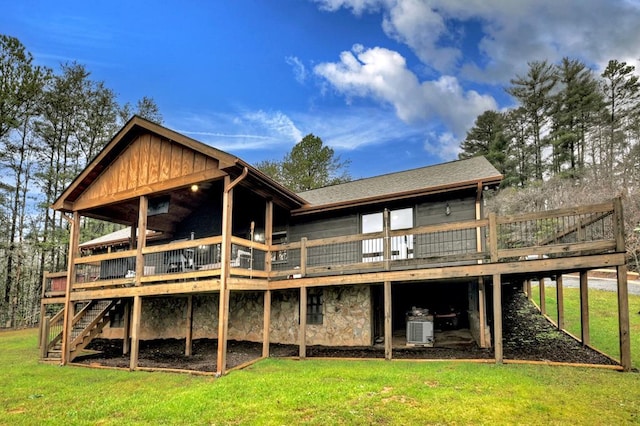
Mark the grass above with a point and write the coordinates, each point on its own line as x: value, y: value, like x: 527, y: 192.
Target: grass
x: 317, y: 392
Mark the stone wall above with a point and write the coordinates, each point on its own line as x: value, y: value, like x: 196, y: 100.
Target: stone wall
x: 347, y: 317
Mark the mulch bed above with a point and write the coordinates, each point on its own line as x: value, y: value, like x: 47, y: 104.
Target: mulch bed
x: 527, y: 335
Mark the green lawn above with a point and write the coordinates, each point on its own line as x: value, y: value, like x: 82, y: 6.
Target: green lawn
x: 316, y: 392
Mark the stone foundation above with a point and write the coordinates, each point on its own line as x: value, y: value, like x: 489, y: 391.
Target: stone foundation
x: 347, y: 313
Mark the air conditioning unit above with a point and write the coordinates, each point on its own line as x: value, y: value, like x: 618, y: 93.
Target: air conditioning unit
x: 420, y: 331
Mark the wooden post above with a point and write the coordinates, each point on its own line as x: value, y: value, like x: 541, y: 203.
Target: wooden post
x: 482, y: 312
x: 268, y: 234
x: 543, y: 298
x: 71, y: 279
x: 135, y: 332
x: 302, y: 334
x: 266, y: 333
x: 388, y: 331
x: 497, y: 318
x: 623, y: 296
x: 303, y: 256
x: 623, y: 318
x: 142, y: 237
x: 43, y: 309
x: 43, y: 313
x: 44, y: 337
x: 560, y: 301
x: 584, y: 308
x: 126, y: 338
x: 189, y: 335
x: 223, y: 310
x: 527, y: 284
x: 493, y: 237
x: 386, y: 242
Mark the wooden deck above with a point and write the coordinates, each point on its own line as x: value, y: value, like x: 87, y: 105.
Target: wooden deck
x: 498, y: 249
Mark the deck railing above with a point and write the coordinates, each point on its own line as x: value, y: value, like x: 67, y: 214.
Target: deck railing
x: 564, y: 232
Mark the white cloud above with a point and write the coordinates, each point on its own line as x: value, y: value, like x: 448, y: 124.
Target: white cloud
x: 512, y: 32
x: 466, y: 42
x: 246, y: 130
x: 383, y: 74
x: 299, y: 70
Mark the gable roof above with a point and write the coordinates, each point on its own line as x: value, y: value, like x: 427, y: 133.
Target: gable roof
x: 123, y: 161
x: 431, y: 179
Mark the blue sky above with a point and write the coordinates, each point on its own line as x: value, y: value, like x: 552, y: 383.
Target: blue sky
x: 389, y: 84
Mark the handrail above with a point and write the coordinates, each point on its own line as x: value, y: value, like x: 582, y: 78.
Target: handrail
x: 560, y: 232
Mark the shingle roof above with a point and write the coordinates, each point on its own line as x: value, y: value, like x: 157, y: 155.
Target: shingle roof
x: 439, y: 175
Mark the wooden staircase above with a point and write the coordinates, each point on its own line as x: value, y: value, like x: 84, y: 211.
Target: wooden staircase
x: 86, y: 324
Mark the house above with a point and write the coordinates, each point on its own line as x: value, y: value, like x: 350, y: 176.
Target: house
x: 217, y: 249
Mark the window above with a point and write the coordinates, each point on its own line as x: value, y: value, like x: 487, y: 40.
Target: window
x: 372, y: 223
x: 401, y: 219
x: 315, y: 302
x: 401, y: 246
x: 117, y: 319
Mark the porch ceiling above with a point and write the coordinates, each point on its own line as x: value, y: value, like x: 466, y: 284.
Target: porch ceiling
x: 182, y: 202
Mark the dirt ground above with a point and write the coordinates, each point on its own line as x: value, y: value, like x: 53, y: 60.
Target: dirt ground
x: 527, y: 335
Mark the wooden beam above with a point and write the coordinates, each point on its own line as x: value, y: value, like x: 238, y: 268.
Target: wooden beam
x: 74, y: 238
x: 188, y: 346
x: 126, y: 337
x: 560, y: 301
x: 303, y: 256
x: 268, y: 234
x: 543, y: 299
x: 142, y: 237
x: 584, y: 308
x: 302, y: 334
x: 388, y: 332
x: 156, y: 289
x: 623, y: 318
x: 460, y: 271
x: 386, y: 242
x: 482, y: 312
x: 266, y: 327
x: 44, y: 337
x: 497, y: 318
x: 135, y: 332
x: 223, y: 310
x: 493, y: 237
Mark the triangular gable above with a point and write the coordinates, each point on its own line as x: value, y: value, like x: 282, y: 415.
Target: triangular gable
x: 149, y: 164
x: 143, y: 158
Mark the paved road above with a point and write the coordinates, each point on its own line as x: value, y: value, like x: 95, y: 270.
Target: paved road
x: 607, y: 284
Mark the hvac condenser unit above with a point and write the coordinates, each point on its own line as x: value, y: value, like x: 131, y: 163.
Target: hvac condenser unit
x: 420, y: 330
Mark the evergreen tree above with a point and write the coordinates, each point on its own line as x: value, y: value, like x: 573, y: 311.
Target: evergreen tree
x: 534, y: 91
x: 309, y: 165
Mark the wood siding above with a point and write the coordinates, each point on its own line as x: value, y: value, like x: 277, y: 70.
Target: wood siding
x: 150, y: 164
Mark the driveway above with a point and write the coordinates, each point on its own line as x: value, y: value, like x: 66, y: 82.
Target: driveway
x: 607, y: 284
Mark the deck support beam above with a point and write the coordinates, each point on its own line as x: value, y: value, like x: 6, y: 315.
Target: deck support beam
x: 266, y: 333
x: 188, y: 344
x: 584, y: 308
x: 623, y: 318
x: 302, y: 333
x: 543, y: 297
x: 388, y: 332
x: 135, y: 332
x: 126, y: 332
x: 482, y: 312
x: 497, y: 318
x: 74, y: 241
x: 560, y: 301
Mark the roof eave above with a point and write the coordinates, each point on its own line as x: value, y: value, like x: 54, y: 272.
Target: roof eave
x: 310, y: 209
